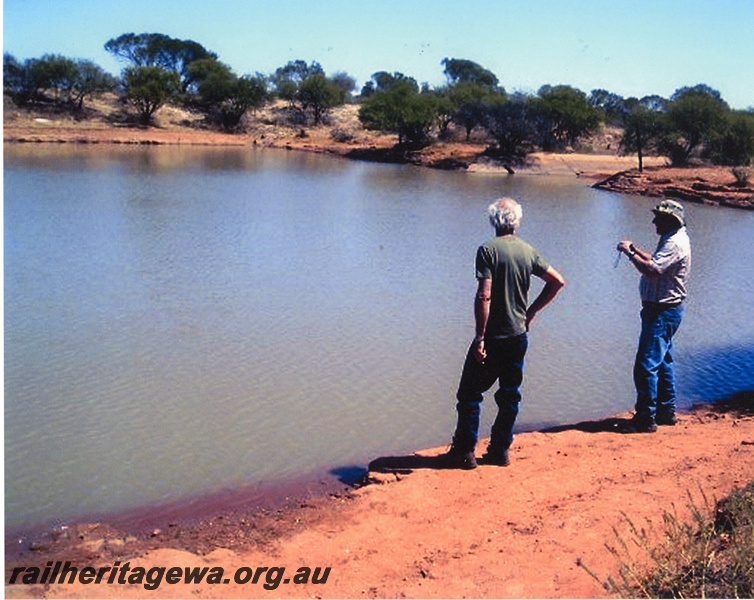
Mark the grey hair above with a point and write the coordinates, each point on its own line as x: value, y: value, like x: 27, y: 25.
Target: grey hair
x: 505, y: 214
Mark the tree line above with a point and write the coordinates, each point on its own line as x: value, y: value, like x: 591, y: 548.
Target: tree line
x: 161, y: 70
x: 693, y: 122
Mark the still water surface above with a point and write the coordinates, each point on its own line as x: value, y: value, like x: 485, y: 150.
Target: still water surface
x: 180, y: 321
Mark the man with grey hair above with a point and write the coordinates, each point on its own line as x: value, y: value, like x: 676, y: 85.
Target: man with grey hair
x: 663, y: 289
x: 504, y: 266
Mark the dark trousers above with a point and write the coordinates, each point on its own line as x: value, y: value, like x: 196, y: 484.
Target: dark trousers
x: 504, y: 363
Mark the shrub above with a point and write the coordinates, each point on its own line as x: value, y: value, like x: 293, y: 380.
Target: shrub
x: 742, y: 175
x: 341, y: 136
x: 736, y: 146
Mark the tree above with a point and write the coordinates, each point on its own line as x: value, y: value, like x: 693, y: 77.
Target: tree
x: 222, y: 95
x: 245, y: 93
x: 90, y: 80
x: 382, y: 81
x: 655, y: 102
x: 470, y: 91
x: 399, y: 107
x: 19, y: 80
x: 287, y: 79
x: 696, y: 116
x: 611, y: 105
x: 149, y: 88
x: 69, y: 80
x: 207, y: 70
x: 56, y: 74
x: 131, y: 47
x: 735, y: 147
x: 569, y: 115
x: 319, y: 94
x: 514, y: 126
x: 643, y: 124
x: 446, y: 110
x: 31, y: 80
x: 345, y: 82
x: 308, y: 89
x: 471, y: 103
x: 461, y: 71
x: 159, y: 50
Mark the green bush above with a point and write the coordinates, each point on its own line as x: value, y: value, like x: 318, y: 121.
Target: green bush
x: 736, y: 146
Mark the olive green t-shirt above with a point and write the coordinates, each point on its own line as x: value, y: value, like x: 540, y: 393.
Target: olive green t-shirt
x: 510, y: 263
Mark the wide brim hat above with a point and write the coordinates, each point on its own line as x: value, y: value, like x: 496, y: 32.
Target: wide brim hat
x: 672, y: 208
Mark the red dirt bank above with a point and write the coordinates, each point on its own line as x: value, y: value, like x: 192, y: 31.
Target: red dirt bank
x: 707, y: 185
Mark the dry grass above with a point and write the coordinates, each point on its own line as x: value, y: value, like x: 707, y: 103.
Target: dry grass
x: 709, y: 556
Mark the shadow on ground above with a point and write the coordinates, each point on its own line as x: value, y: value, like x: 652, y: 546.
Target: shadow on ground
x: 739, y: 404
x: 610, y: 425
x: 406, y: 464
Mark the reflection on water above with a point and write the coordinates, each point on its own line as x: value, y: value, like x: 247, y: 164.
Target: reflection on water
x: 181, y: 321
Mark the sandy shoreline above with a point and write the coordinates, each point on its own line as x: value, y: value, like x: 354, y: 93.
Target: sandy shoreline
x: 465, y: 155
x: 608, y: 171
x: 418, y: 531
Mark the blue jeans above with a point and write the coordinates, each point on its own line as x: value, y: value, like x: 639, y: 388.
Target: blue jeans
x: 504, y: 362
x: 654, y: 373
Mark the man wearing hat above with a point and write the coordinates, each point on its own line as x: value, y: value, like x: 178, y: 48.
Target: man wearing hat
x: 663, y: 290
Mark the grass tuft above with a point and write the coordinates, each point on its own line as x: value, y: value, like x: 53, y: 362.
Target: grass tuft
x: 709, y: 555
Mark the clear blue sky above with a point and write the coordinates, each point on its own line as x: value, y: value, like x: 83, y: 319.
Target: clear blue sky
x: 630, y: 47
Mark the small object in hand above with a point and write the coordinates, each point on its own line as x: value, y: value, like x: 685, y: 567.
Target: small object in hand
x: 617, y: 260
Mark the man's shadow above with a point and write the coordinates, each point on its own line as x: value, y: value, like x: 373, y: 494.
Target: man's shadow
x: 357, y: 476
x: 406, y: 464
x: 740, y: 403
x: 609, y: 425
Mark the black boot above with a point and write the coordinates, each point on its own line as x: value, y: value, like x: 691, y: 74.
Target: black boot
x: 459, y: 459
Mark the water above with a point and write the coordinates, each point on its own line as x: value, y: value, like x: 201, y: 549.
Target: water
x: 182, y: 321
